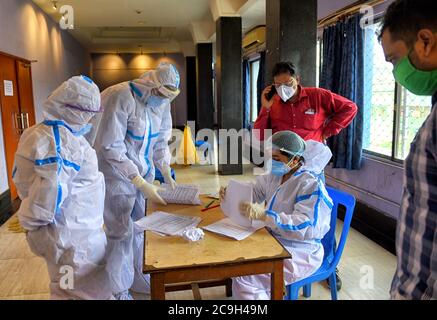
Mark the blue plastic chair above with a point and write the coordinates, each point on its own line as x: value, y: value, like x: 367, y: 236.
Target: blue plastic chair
x: 200, y: 143
x: 332, y: 256
x: 204, y: 144
x: 160, y: 178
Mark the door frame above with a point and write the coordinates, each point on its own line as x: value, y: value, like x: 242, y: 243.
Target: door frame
x: 16, y: 57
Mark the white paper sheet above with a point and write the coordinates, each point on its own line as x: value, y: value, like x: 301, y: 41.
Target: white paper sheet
x: 215, y: 195
x: 167, y: 223
x: 182, y: 194
x: 236, y: 193
x: 230, y: 229
x: 8, y: 88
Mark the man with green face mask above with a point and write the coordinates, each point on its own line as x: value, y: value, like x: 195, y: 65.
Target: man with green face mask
x: 409, y: 39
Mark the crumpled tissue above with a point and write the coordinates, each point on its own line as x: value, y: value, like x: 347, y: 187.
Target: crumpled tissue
x: 193, y: 234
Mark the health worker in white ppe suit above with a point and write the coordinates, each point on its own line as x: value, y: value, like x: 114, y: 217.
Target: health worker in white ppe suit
x: 295, y: 205
x: 62, y: 192
x: 131, y: 141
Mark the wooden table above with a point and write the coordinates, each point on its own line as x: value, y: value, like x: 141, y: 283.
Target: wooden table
x: 173, y: 260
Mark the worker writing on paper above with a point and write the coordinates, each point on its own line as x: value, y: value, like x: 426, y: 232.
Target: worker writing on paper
x: 132, y: 140
x: 62, y: 193
x: 298, y: 210
x: 313, y: 113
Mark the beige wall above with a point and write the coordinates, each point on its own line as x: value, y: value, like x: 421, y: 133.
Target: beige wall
x: 110, y: 69
x: 26, y: 32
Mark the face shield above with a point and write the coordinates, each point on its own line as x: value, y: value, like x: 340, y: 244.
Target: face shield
x: 167, y: 78
x: 288, y: 144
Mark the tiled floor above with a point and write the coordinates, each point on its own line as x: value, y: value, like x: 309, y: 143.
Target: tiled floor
x: 24, y: 276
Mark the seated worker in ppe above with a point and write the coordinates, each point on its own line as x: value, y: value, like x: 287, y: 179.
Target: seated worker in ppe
x: 298, y: 210
x: 132, y: 139
x: 62, y: 192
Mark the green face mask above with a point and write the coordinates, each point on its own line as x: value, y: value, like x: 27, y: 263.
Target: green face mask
x: 421, y: 83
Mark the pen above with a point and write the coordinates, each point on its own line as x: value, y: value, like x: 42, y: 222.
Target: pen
x: 213, y: 207
x: 209, y: 204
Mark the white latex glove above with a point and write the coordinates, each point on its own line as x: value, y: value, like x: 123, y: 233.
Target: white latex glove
x: 253, y: 211
x: 149, y: 190
x: 168, y: 179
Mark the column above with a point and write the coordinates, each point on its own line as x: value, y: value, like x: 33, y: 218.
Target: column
x: 229, y: 90
x: 292, y: 36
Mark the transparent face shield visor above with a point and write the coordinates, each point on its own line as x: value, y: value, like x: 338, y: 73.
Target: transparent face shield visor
x: 169, y: 92
x: 293, y: 157
x: 270, y: 148
x: 165, y: 90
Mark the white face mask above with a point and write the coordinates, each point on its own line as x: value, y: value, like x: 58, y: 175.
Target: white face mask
x: 285, y: 92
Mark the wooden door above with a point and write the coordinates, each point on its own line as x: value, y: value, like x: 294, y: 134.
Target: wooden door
x: 17, y: 110
x: 10, y: 114
x: 25, y: 93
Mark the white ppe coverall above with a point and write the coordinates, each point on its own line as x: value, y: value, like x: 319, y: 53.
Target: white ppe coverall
x: 298, y: 214
x: 62, y: 192
x: 132, y: 140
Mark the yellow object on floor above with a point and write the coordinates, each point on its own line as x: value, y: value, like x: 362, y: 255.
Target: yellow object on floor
x: 15, y: 226
x: 187, y: 153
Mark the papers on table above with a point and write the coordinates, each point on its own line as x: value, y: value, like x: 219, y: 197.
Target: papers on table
x: 167, y: 224
x: 230, y: 229
x: 235, y: 226
x: 214, y: 195
x: 182, y: 194
x: 236, y: 193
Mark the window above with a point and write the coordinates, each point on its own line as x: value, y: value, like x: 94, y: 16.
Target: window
x: 379, y: 94
x: 412, y: 114
x: 392, y: 115
x: 254, y: 71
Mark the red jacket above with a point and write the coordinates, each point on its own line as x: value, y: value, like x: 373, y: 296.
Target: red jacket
x: 316, y: 113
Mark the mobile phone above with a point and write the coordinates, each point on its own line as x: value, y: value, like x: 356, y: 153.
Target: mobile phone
x: 272, y: 92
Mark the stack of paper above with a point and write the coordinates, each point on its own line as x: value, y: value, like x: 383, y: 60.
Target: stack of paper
x: 236, y: 193
x: 182, y: 194
x: 230, y: 229
x: 167, y: 224
x: 236, y: 226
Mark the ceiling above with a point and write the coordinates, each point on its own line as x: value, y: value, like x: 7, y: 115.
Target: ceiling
x: 158, y: 25
x: 128, y: 13
x: 145, y: 25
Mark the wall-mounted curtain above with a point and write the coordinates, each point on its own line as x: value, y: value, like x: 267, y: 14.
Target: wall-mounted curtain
x: 261, y: 82
x: 342, y: 73
x: 246, y: 94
